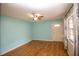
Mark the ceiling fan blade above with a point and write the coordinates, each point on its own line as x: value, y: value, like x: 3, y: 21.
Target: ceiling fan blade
x: 35, y: 16
x: 30, y: 15
x: 40, y: 17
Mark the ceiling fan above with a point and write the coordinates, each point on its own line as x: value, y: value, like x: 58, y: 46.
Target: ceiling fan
x: 36, y: 16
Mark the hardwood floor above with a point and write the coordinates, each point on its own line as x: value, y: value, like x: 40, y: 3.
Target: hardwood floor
x: 39, y: 48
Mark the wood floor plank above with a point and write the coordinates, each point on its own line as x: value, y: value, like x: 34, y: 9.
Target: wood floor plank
x: 39, y: 48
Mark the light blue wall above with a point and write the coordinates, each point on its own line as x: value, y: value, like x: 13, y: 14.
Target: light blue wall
x: 14, y: 32
x: 0, y: 35
x: 42, y: 30
x: 58, y: 21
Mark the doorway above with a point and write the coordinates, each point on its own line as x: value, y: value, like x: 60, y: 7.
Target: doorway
x: 58, y: 34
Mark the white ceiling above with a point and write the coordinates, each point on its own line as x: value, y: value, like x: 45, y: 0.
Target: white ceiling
x: 21, y: 12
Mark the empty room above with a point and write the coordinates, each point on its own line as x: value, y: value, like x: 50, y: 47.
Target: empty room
x: 39, y: 28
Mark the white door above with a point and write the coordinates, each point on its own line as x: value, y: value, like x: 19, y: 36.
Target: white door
x: 58, y: 33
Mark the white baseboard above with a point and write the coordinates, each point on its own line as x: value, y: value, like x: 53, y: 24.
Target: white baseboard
x: 2, y: 53
x: 47, y: 40
x: 43, y: 39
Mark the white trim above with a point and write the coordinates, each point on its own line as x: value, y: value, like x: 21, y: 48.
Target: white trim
x: 2, y: 53
x: 44, y: 39
x: 49, y: 40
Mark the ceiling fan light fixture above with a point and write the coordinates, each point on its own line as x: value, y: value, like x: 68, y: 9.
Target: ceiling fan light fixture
x: 35, y: 18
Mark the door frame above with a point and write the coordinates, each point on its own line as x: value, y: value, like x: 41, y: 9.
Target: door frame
x: 76, y: 17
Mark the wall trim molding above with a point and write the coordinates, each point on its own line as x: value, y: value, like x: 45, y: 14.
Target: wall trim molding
x: 43, y: 39
x: 46, y: 40
x: 2, y: 53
